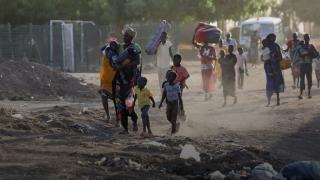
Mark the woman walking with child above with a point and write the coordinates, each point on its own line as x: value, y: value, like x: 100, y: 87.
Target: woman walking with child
x: 271, y: 55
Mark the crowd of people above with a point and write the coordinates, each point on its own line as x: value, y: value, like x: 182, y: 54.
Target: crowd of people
x: 129, y: 86
x: 303, y: 54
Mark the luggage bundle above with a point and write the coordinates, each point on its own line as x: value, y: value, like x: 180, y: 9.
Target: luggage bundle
x: 155, y: 41
x: 205, y: 32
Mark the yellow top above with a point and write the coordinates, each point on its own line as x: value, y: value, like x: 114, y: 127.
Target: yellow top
x: 143, y: 96
x: 106, y: 74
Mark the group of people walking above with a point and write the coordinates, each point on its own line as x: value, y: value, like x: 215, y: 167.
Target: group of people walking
x: 303, y: 54
x: 222, y: 66
x: 129, y: 86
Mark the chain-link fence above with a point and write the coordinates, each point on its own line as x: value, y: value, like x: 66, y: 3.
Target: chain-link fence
x: 6, y: 45
x: 60, y: 42
x: 29, y: 42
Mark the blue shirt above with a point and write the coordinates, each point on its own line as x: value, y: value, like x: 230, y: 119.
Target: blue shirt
x: 172, y: 91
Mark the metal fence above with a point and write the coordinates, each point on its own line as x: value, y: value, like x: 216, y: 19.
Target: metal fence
x: 51, y: 44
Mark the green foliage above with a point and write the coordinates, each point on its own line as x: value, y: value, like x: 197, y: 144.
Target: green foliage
x: 239, y: 9
x: 22, y: 11
x: 305, y: 10
x: 124, y: 11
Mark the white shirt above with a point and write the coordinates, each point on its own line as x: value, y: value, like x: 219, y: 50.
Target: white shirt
x: 163, y: 55
x: 265, y: 54
x: 232, y: 42
x: 241, y: 61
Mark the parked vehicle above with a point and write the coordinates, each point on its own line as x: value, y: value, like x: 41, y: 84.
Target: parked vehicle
x: 263, y: 26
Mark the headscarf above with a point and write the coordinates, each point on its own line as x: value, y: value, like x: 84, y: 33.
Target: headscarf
x: 130, y: 31
x: 271, y: 37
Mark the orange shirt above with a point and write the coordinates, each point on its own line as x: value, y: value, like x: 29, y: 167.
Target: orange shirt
x: 182, y: 74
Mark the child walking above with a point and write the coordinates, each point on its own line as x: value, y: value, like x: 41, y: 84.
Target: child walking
x: 228, y: 74
x: 144, y: 97
x: 181, y: 71
x: 182, y: 76
x: 172, y: 94
x: 242, y: 67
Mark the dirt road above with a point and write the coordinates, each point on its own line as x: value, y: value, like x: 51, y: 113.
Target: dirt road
x: 278, y: 129
x: 35, y: 148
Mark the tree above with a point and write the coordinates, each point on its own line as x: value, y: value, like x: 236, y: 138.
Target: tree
x: 24, y: 11
x: 125, y: 11
x: 304, y: 10
x: 239, y: 9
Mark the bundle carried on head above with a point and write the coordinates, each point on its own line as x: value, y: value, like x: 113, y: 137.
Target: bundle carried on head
x: 155, y: 41
x: 206, y: 33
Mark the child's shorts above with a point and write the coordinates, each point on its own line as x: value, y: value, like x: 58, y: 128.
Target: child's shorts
x: 145, y: 110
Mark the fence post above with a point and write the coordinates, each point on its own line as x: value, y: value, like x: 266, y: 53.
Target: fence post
x: 82, y: 46
x: 30, y: 42
x: 10, y: 40
x: 51, y: 44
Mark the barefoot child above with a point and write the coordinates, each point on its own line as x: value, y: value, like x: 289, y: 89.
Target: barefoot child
x: 242, y: 67
x: 172, y: 94
x: 228, y: 75
x: 145, y: 98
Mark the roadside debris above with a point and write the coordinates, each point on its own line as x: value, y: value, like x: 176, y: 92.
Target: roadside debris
x: 154, y: 143
x: 263, y: 171
x: 217, y: 175
x: 17, y: 116
x: 190, y: 152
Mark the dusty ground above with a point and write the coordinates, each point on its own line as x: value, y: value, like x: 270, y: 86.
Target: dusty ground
x: 70, y: 140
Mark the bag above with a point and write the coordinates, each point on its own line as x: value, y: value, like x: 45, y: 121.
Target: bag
x: 129, y: 102
x: 207, y: 33
x: 285, y: 64
x: 154, y: 43
x: 296, y: 71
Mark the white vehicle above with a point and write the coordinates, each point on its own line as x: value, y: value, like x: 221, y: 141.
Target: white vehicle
x: 262, y: 25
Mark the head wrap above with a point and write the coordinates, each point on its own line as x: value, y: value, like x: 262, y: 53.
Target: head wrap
x: 271, y: 37
x: 130, y: 31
